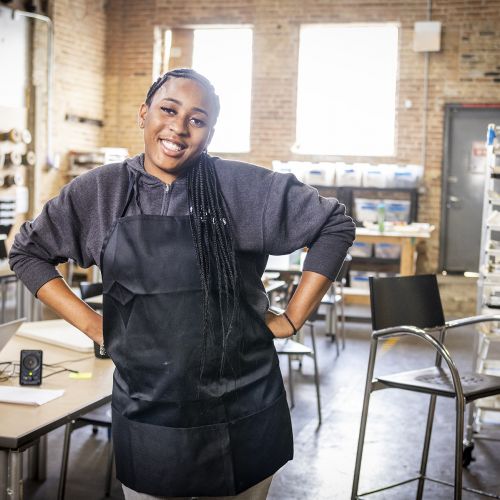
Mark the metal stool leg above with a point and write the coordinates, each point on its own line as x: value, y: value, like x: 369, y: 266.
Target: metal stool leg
x: 4, y: 299
x: 342, y: 315
x: 459, y: 436
x: 64, y: 461
x: 364, y: 418
x: 336, y: 323
x: 290, y: 382
x: 20, y: 299
x: 316, y: 373
x: 109, y: 472
x: 427, y: 442
x: 329, y: 321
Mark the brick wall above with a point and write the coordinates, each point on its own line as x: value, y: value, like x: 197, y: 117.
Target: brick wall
x: 470, y: 48
x: 78, y: 86
x: 104, y: 66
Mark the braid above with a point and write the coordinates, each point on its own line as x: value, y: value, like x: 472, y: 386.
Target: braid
x: 213, y: 238
x: 211, y: 232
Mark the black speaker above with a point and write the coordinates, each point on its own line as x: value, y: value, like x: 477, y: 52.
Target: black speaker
x: 30, y: 367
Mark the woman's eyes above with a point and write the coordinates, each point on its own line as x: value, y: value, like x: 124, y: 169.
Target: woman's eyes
x: 169, y: 111
x: 195, y: 121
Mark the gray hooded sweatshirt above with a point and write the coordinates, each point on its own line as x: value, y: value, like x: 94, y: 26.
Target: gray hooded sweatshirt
x: 270, y: 213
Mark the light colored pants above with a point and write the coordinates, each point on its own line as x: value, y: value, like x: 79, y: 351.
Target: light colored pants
x: 257, y: 492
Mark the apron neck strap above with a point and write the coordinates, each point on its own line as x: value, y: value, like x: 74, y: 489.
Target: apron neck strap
x: 133, y: 187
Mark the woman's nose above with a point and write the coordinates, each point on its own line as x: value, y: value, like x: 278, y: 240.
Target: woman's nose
x: 179, y: 126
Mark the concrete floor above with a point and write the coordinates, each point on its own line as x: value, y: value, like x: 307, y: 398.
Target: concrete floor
x: 324, y: 458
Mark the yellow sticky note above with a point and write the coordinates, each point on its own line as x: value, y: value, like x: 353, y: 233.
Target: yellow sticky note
x: 81, y: 375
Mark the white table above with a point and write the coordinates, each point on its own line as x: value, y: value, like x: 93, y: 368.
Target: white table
x: 22, y: 426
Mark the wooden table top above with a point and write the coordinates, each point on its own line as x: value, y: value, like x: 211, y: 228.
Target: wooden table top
x: 21, y: 424
x: 408, y: 231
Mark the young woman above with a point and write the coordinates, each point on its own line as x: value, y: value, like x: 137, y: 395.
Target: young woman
x: 182, y: 240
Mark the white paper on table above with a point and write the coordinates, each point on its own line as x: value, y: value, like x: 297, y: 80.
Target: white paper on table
x: 28, y: 395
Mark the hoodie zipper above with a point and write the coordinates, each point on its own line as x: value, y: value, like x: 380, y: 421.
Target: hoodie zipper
x: 166, y: 200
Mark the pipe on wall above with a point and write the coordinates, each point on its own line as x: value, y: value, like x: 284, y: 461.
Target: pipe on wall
x: 426, y: 94
x: 50, y: 163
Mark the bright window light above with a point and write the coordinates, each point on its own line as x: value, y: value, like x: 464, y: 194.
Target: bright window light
x: 346, y: 102
x: 224, y: 56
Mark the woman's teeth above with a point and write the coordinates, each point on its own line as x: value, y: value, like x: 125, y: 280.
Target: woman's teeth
x: 171, y: 145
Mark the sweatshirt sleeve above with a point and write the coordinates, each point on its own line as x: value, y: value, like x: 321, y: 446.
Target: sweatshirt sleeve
x: 296, y: 216
x: 59, y: 233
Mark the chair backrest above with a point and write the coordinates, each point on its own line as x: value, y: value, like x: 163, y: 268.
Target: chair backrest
x: 88, y: 290
x: 406, y: 300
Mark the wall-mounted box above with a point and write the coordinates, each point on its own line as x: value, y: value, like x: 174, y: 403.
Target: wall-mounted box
x: 427, y: 36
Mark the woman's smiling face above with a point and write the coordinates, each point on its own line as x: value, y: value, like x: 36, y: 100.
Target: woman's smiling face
x: 178, y: 125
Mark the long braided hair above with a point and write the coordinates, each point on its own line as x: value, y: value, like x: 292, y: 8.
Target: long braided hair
x: 211, y: 232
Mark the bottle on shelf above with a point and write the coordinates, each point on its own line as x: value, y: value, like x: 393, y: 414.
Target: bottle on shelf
x: 381, y: 216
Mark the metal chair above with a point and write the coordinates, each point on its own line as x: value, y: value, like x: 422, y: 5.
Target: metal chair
x: 415, y: 301
x: 291, y: 348
x: 334, y: 301
x: 88, y: 290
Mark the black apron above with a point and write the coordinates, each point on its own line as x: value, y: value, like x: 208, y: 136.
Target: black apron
x: 180, y: 430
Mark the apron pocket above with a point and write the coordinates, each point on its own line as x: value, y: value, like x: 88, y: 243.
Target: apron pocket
x: 258, y: 321
x: 171, y: 461
x: 261, y: 444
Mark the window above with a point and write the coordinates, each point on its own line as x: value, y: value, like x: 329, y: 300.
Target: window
x: 346, y: 100
x: 224, y: 56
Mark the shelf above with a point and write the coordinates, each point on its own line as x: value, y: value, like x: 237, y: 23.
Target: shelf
x: 493, y: 198
x: 489, y: 284
x: 348, y: 194
x: 489, y: 404
x: 487, y: 328
x: 492, y: 367
x: 370, y: 188
x: 375, y: 261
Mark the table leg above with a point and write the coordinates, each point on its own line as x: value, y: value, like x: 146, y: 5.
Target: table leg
x: 19, y: 299
x: 37, y: 460
x: 64, y: 461
x: 15, y: 476
x: 4, y: 299
x: 33, y: 461
x: 407, y: 264
x: 4, y: 454
x: 42, y: 459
